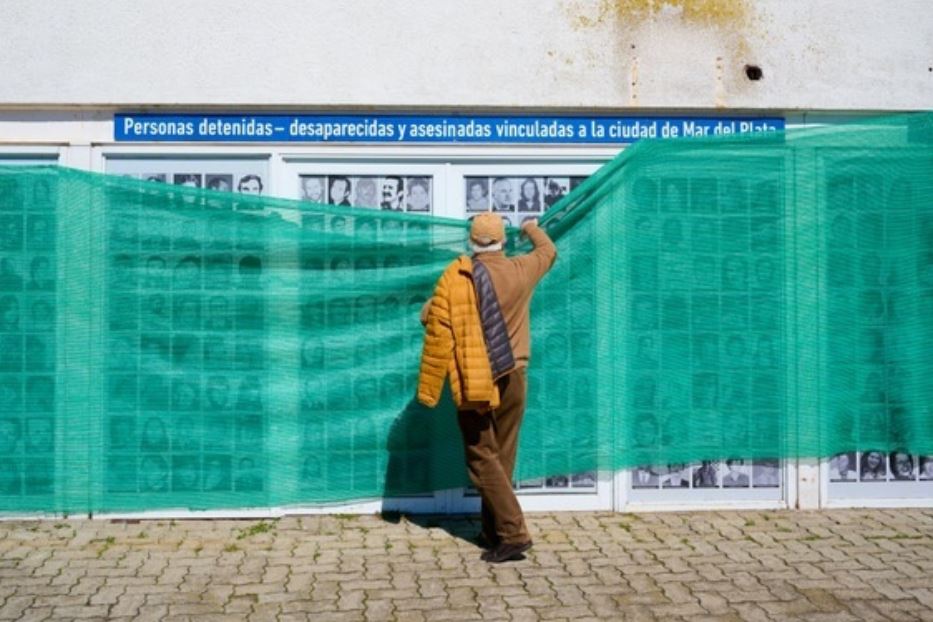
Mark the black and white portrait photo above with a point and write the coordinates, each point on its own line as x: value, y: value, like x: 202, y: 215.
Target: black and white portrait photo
x: 477, y: 194
x: 338, y: 190
x: 10, y: 434
x: 901, y: 464
x: 9, y: 314
x: 677, y: 476
x: 586, y: 479
x: 366, y: 194
x: 40, y: 233
x: 186, y: 473
x: 312, y: 188
x: 40, y: 394
x: 735, y: 475
x: 154, y: 474
x: 187, y: 179
x: 248, y: 476
x: 11, y: 233
x: 419, y: 195
x: 154, y: 435
x: 41, y: 276
x: 222, y: 183
x: 216, y: 473
x: 555, y: 189
x: 926, y: 468
x: 502, y: 195
x: 645, y: 477
x: 393, y: 193
x: 766, y: 473
x: 186, y: 274
x: 872, y: 466
x: 11, y: 274
x: 250, y: 184
x: 706, y: 475
x: 842, y: 467
x: 529, y: 195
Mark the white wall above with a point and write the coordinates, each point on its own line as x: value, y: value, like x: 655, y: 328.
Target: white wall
x: 580, y: 54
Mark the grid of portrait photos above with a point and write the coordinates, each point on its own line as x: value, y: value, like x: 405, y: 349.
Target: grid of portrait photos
x: 27, y: 337
x: 250, y: 183
x: 879, y: 466
x: 705, y: 328
x: 398, y: 193
x: 186, y: 331
x: 342, y: 447
x: 871, y: 372
x: 517, y: 198
x: 729, y: 473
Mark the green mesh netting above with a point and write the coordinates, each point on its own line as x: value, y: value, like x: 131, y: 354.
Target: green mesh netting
x: 750, y: 297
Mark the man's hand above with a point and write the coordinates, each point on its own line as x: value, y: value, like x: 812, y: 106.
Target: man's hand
x: 528, y: 224
x: 425, y: 310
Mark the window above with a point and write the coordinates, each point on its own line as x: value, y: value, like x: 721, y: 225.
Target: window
x: 705, y: 333
x: 28, y: 269
x: 873, y: 371
x: 187, y: 331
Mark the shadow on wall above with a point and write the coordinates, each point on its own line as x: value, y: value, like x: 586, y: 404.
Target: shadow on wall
x: 426, y: 454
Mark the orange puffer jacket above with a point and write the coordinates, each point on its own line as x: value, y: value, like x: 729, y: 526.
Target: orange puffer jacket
x: 454, y: 344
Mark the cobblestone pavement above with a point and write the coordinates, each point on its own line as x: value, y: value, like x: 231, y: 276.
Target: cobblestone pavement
x: 829, y: 565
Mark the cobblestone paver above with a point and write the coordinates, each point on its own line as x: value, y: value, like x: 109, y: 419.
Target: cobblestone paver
x: 814, y: 566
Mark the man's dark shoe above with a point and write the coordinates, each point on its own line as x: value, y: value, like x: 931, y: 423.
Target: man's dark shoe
x: 506, y: 552
x: 484, y: 542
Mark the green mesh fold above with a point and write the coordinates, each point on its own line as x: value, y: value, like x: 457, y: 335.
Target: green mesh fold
x: 760, y: 297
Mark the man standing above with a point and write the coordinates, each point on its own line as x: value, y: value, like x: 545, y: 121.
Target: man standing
x: 504, y: 286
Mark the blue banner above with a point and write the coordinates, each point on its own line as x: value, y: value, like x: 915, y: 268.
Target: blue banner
x: 425, y: 129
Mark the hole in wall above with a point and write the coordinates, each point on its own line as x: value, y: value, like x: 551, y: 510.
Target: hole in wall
x: 753, y: 72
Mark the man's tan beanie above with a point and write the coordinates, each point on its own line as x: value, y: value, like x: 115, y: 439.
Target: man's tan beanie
x: 487, y: 228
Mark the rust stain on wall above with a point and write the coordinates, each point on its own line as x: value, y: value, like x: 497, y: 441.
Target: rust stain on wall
x: 720, y: 13
x: 732, y: 21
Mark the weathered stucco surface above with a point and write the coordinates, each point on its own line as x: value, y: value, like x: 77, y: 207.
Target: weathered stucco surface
x: 539, y: 54
x: 666, y: 35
